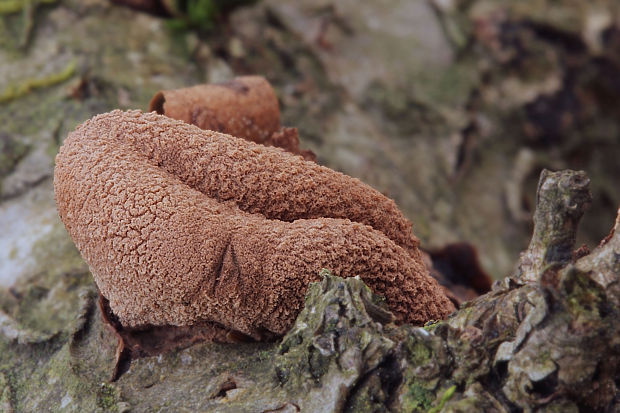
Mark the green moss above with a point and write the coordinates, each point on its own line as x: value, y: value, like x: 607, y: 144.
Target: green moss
x: 200, y: 14
x: 25, y: 87
x: 264, y: 355
x: 417, y: 398
x: 107, y: 397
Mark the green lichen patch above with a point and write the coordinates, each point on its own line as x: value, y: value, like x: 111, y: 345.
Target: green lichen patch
x: 417, y: 398
x: 211, y: 377
x: 54, y: 384
x: 23, y: 88
x: 108, y: 398
x: 58, y: 361
x: 47, y: 300
x: 14, y: 6
x: 423, y: 353
x: 62, y: 261
x: 585, y: 298
x: 335, y: 347
x: 443, y: 400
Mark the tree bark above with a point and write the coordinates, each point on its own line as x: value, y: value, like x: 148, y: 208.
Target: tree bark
x: 545, y: 339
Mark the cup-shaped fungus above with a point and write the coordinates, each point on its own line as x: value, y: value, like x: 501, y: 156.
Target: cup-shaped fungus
x: 180, y: 225
x: 245, y: 107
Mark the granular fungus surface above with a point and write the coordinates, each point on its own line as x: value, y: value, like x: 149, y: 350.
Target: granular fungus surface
x: 180, y: 226
x: 246, y: 107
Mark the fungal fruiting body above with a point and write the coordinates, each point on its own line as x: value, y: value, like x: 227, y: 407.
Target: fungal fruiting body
x: 245, y: 107
x: 181, y: 225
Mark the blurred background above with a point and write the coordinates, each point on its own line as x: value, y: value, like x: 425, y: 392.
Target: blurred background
x: 450, y: 107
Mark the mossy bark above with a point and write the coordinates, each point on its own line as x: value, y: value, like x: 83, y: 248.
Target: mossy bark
x: 454, y: 135
x: 547, y: 343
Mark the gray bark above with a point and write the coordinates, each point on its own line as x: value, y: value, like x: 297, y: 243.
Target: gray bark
x: 546, y: 342
x: 514, y: 86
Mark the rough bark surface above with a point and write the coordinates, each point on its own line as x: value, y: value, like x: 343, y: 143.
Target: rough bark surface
x: 456, y: 131
x: 548, y: 343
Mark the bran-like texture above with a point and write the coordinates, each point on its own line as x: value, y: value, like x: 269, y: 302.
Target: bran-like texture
x: 245, y: 107
x: 181, y: 225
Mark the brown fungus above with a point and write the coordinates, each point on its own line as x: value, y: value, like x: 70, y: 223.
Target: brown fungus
x: 245, y: 107
x: 181, y: 226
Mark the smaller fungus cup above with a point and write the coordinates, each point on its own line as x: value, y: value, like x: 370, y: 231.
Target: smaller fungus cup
x: 181, y: 226
x: 245, y: 107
